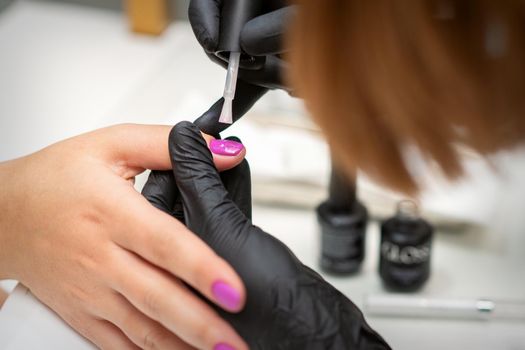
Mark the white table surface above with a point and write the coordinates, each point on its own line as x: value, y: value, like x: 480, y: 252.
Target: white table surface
x: 66, y: 69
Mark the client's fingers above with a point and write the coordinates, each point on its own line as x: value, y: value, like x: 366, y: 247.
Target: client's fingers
x: 140, y: 329
x: 167, y: 243
x: 164, y: 298
x: 137, y: 147
x: 106, y: 336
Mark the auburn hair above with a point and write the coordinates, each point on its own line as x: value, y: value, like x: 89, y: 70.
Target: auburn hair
x: 379, y: 76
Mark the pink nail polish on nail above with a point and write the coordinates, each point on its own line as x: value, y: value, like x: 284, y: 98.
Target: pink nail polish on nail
x: 223, y: 346
x: 226, y: 147
x: 226, y: 295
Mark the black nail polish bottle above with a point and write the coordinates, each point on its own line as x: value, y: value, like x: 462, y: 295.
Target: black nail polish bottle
x: 343, y: 224
x: 406, y: 241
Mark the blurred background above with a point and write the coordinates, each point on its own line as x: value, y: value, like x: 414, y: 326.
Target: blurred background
x: 68, y: 67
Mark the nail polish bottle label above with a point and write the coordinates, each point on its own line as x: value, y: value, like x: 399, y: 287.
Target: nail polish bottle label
x: 342, y: 239
x: 405, y: 251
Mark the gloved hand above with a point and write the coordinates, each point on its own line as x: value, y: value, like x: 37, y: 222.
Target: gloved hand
x: 261, y: 38
x: 289, y: 306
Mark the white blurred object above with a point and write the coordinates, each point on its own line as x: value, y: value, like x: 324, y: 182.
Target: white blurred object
x: 23, y: 313
x: 391, y: 305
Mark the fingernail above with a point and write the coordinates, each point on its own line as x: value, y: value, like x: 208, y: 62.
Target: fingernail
x: 223, y: 346
x: 226, y: 147
x: 226, y: 295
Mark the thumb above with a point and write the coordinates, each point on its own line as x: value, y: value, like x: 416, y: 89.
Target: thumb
x: 208, y: 210
x: 138, y: 147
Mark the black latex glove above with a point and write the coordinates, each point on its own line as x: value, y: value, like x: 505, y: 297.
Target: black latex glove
x: 261, y: 38
x: 289, y: 306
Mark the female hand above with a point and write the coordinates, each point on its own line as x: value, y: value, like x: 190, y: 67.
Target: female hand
x: 77, y: 234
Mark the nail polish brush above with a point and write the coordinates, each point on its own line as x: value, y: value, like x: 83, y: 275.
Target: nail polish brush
x: 229, y: 88
x: 235, y: 13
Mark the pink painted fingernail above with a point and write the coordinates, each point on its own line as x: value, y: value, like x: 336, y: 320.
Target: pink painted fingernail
x: 226, y: 147
x: 223, y: 346
x: 226, y: 295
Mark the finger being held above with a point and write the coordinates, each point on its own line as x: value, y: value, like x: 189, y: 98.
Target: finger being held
x: 134, y: 147
x: 227, y: 153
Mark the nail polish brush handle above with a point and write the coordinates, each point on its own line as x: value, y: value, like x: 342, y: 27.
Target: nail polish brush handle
x: 234, y: 14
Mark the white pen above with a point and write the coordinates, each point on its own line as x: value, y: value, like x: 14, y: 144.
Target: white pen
x: 394, y: 305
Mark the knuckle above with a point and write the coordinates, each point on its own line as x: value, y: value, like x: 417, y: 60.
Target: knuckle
x: 129, y: 319
x: 86, y: 328
x: 87, y: 263
x: 198, y: 271
x: 152, y: 339
x: 204, y: 333
x: 152, y: 302
x: 146, y: 332
x: 78, y: 295
x: 163, y: 248
x: 197, y: 332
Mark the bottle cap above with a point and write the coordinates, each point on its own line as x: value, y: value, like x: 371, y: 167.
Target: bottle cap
x: 407, y: 210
